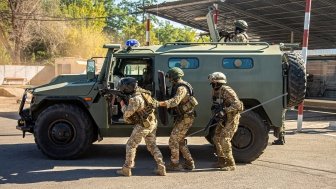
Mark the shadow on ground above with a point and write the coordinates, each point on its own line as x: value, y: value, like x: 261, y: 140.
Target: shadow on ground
x: 10, y: 115
x: 102, y: 160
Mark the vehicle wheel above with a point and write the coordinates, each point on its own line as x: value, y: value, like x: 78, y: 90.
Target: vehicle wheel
x: 297, y: 79
x: 63, y: 131
x: 211, y: 133
x: 250, y: 140
x: 209, y: 136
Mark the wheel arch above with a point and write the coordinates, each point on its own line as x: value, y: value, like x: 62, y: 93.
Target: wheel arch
x: 250, y: 103
x: 73, y: 100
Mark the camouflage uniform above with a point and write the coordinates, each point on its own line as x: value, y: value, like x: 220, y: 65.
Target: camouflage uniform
x: 146, y: 130
x: 240, y: 32
x: 226, y: 129
x: 240, y: 37
x: 183, y: 120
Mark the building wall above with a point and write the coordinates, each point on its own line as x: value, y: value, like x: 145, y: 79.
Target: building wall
x: 321, y: 78
x: 15, y: 71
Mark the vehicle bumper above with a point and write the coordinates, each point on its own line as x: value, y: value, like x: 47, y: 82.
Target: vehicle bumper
x: 25, y: 123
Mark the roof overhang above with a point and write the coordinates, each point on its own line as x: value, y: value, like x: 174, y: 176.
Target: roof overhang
x: 271, y: 21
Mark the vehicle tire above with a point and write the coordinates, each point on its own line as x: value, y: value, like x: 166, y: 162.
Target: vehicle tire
x: 209, y: 136
x: 297, y: 79
x: 63, y: 131
x: 250, y: 140
x: 211, y: 133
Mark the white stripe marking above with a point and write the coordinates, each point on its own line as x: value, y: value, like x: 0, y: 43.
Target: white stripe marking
x: 304, y: 54
x: 307, y: 20
x: 330, y: 135
x: 299, y: 122
x: 147, y: 36
x: 69, y: 168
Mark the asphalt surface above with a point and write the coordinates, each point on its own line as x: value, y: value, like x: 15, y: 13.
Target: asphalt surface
x: 307, y: 160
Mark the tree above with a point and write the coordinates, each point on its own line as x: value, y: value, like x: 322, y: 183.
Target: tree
x: 85, y: 13
x: 166, y: 32
x: 13, y: 27
x: 84, y: 36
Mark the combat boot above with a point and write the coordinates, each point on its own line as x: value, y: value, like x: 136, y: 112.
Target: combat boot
x: 189, y: 165
x: 229, y: 165
x: 161, y: 170
x: 124, y: 171
x: 220, y: 163
x: 174, y: 167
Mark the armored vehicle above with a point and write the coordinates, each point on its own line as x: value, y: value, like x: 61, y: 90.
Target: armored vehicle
x: 68, y: 114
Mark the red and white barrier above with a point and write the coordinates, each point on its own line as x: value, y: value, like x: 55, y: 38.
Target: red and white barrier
x: 304, y: 54
x: 216, y: 15
x: 147, y: 29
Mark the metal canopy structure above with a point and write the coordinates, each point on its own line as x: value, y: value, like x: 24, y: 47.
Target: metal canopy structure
x: 272, y: 21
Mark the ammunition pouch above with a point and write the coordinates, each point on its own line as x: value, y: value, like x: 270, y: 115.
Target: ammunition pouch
x: 241, y: 108
x: 184, y: 108
x: 144, y: 116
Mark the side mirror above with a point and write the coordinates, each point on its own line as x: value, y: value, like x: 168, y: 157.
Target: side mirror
x: 90, y: 69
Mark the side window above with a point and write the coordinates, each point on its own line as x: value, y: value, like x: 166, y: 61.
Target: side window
x: 134, y: 69
x: 183, y: 63
x: 238, y: 63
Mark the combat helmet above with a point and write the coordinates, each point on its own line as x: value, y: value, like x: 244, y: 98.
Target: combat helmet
x: 241, y: 24
x: 175, y: 73
x: 127, y: 85
x: 217, y: 77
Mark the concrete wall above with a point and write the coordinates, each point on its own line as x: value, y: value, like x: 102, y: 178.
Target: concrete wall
x: 39, y: 75
x: 70, y: 65
x: 44, y: 76
x: 26, y: 72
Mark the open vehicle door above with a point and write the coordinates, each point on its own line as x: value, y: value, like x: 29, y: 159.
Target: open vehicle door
x: 162, y: 95
x: 108, y: 83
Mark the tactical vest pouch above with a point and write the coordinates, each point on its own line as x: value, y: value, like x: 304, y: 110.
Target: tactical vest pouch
x: 189, y: 106
x: 146, y: 123
x: 193, y: 101
x: 134, y: 119
x: 241, y: 108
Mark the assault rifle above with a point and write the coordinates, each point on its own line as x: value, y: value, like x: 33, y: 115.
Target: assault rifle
x: 228, y: 36
x: 218, y: 115
x: 115, y: 93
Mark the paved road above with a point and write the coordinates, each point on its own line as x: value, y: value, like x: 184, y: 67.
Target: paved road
x: 307, y: 160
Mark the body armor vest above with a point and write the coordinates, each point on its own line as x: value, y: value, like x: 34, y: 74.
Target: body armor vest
x: 218, y: 100
x: 182, y: 83
x: 142, y: 116
x: 188, y: 103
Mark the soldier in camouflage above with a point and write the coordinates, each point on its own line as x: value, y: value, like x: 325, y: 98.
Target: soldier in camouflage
x: 182, y: 105
x: 240, y: 32
x: 140, y: 112
x: 230, y: 107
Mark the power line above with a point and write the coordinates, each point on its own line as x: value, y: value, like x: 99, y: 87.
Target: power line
x: 41, y: 17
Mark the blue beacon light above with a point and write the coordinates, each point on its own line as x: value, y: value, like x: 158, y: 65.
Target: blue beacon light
x: 132, y: 43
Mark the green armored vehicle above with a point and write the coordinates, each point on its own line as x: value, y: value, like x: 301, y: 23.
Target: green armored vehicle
x: 68, y: 114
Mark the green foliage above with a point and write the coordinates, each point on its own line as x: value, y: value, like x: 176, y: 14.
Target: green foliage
x: 83, y: 42
x: 81, y: 27
x: 86, y: 13
x: 166, y: 32
x: 4, y: 29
